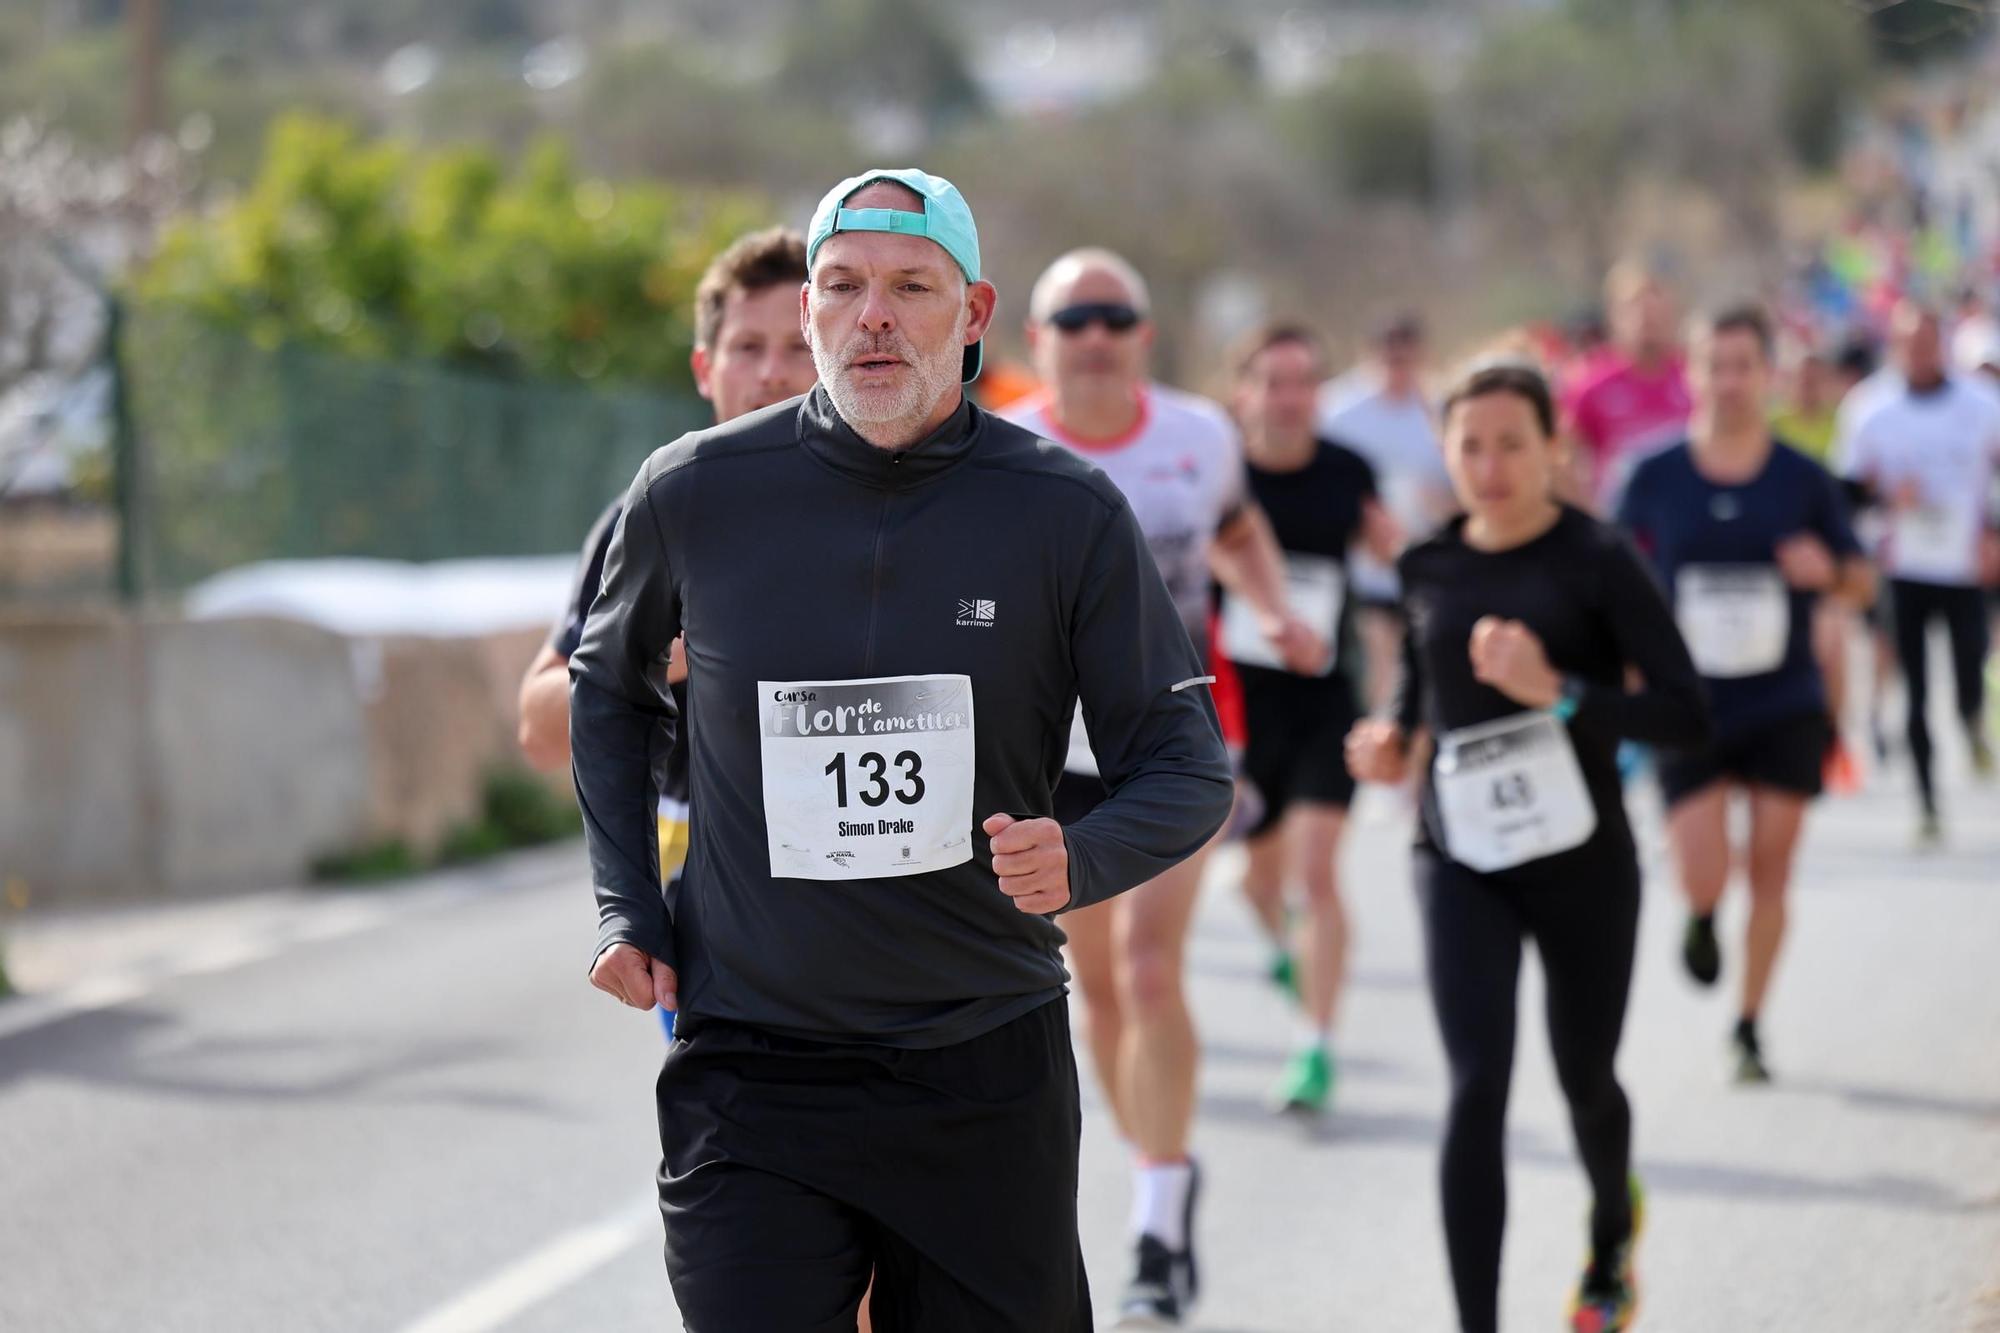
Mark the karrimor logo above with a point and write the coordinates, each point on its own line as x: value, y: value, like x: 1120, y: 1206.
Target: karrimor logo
x: 977, y: 612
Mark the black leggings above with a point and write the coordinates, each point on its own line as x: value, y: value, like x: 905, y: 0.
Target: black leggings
x: 1963, y: 611
x: 1585, y: 926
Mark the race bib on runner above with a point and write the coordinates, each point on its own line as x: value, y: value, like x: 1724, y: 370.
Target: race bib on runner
x: 867, y: 779
x: 1315, y: 590
x: 1510, y: 792
x: 1935, y: 537
x: 1737, y: 619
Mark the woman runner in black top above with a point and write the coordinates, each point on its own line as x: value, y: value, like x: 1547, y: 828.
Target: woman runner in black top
x: 1526, y: 619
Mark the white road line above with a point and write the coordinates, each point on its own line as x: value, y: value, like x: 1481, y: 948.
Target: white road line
x: 107, y: 992
x: 224, y: 954
x: 313, y: 923
x: 541, y: 1274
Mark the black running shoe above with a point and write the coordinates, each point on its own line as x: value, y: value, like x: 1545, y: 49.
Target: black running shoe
x: 1700, y: 951
x: 1164, y: 1282
x: 1161, y: 1291
x: 1750, y: 1067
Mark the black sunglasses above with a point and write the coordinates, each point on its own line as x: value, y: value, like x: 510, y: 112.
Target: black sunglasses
x: 1115, y: 316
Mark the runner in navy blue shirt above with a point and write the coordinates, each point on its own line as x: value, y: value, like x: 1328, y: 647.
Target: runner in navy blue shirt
x: 1747, y: 534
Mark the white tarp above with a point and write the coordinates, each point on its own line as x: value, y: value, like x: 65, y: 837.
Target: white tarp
x: 375, y: 598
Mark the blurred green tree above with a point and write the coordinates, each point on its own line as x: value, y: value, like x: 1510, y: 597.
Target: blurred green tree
x: 662, y: 109
x: 379, y: 249
x: 859, y: 54
x: 1371, y: 128
x: 1818, y: 53
x: 376, y: 349
x: 1912, y: 32
x: 1722, y: 100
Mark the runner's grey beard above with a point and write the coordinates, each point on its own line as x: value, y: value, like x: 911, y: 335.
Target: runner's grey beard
x: 932, y: 376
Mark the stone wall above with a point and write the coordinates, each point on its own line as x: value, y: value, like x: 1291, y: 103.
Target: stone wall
x: 157, y: 757
x: 440, y: 715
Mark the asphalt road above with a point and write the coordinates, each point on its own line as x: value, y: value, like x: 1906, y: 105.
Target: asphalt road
x: 405, y: 1110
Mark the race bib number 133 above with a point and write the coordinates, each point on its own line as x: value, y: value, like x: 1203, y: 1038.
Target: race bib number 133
x: 867, y: 778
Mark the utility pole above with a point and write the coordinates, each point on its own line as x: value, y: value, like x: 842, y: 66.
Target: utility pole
x: 145, y: 29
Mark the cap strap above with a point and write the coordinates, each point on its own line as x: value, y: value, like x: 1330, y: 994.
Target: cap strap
x: 882, y: 219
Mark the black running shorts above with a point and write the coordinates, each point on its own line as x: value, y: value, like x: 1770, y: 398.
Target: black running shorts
x: 1789, y: 756
x: 1297, y: 749
x: 793, y: 1169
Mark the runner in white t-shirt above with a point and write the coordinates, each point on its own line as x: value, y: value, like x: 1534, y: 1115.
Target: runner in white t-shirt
x: 1177, y: 459
x: 1181, y: 469
x: 1379, y: 411
x: 1975, y: 338
x: 1926, y: 446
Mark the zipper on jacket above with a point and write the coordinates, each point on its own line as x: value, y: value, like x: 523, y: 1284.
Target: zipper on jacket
x: 875, y: 581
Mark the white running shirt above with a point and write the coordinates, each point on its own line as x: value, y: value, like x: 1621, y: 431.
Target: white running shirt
x: 1181, y: 470
x: 1399, y: 439
x: 1946, y: 445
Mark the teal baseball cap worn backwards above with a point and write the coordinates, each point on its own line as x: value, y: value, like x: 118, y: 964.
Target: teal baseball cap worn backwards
x: 946, y: 219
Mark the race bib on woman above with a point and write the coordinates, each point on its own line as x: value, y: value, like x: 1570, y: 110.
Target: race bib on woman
x: 1510, y: 792
x: 1736, y: 619
x: 865, y: 779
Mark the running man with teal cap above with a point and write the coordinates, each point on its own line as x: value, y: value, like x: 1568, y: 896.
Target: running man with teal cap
x: 944, y: 218
x: 892, y: 604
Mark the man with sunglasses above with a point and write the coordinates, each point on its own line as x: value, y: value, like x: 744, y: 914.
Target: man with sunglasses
x: 1178, y: 461
x: 892, y: 604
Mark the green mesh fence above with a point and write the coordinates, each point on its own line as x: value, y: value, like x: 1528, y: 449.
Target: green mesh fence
x: 252, y: 453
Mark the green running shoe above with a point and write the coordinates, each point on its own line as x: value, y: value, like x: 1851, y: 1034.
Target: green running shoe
x: 1284, y: 974
x: 1307, y: 1083
x: 1993, y: 697
x: 1606, y: 1300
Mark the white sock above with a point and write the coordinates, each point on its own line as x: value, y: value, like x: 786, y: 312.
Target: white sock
x: 1159, y: 1203
x: 1312, y: 1037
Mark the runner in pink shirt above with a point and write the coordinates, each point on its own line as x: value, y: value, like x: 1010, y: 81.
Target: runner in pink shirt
x: 1635, y: 402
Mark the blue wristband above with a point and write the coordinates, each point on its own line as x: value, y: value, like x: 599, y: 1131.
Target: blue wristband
x: 1569, y: 700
